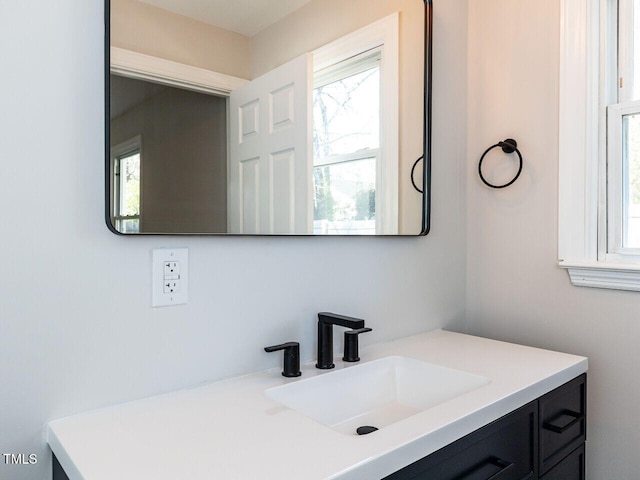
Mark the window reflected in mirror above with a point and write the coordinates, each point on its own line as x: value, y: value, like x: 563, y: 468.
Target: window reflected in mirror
x: 346, y: 146
x: 126, y: 164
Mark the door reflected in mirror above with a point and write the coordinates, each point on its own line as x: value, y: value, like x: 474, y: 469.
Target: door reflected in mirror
x: 302, y: 117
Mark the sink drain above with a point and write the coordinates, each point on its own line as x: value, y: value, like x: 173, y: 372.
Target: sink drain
x: 365, y: 429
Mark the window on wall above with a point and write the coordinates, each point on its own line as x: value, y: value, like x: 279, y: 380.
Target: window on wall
x: 623, y: 154
x: 126, y: 172
x: 623, y: 140
x: 599, y: 190
x: 346, y: 145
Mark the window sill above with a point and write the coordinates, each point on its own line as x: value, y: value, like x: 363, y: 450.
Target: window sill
x: 616, y: 276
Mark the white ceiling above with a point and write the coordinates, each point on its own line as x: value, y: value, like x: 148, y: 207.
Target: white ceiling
x: 246, y: 17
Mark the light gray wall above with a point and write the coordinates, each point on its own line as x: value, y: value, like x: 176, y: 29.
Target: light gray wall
x: 515, y: 290
x: 76, y: 328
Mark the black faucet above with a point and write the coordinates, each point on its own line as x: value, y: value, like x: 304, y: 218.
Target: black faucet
x: 326, y: 321
x: 351, y: 344
x: 291, y: 358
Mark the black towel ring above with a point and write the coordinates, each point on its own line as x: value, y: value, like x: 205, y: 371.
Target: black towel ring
x: 412, y: 172
x: 508, y: 146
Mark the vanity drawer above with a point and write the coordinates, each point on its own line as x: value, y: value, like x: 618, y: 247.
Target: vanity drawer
x: 562, y: 422
x: 504, y: 450
x: 571, y: 468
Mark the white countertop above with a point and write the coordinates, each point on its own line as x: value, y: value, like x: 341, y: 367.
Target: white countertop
x: 231, y: 430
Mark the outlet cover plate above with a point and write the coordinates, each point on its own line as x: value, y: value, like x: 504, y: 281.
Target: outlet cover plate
x: 162, y: 297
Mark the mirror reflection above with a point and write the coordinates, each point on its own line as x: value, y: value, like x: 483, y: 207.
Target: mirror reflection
x: 285, y: 117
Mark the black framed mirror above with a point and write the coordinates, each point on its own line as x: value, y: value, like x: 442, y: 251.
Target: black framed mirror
x: 297, y: 117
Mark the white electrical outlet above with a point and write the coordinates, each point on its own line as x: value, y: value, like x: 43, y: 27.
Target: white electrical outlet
x: 171, y: 286
x: 171, y: 268
x: 170, y: 279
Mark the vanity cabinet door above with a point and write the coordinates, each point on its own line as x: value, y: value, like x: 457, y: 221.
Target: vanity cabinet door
x: 562, y: 422
x: 571, y: 468
x: 502, y: 450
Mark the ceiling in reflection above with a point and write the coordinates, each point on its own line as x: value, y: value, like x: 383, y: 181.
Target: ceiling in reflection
x: 127, y: 93
x: 246, y: 17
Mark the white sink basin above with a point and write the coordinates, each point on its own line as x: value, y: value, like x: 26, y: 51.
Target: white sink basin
x: 376, y: 393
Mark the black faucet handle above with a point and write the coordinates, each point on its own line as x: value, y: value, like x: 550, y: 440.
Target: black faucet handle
x: 291, y: 358
x: 351, y: 344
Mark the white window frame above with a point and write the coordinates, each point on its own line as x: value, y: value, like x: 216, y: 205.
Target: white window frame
x: 587, y: 54
x: 124, y: 149
x: 616, y: 191
x: 626, y: 36
x: 361, y: 63
x: 383, y: 34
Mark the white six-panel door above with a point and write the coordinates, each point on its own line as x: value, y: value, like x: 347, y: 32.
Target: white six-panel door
x: 270, y: 180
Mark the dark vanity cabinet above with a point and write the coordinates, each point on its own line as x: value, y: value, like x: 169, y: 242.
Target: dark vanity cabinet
x: 541, y: 440
x: 57, y: 470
